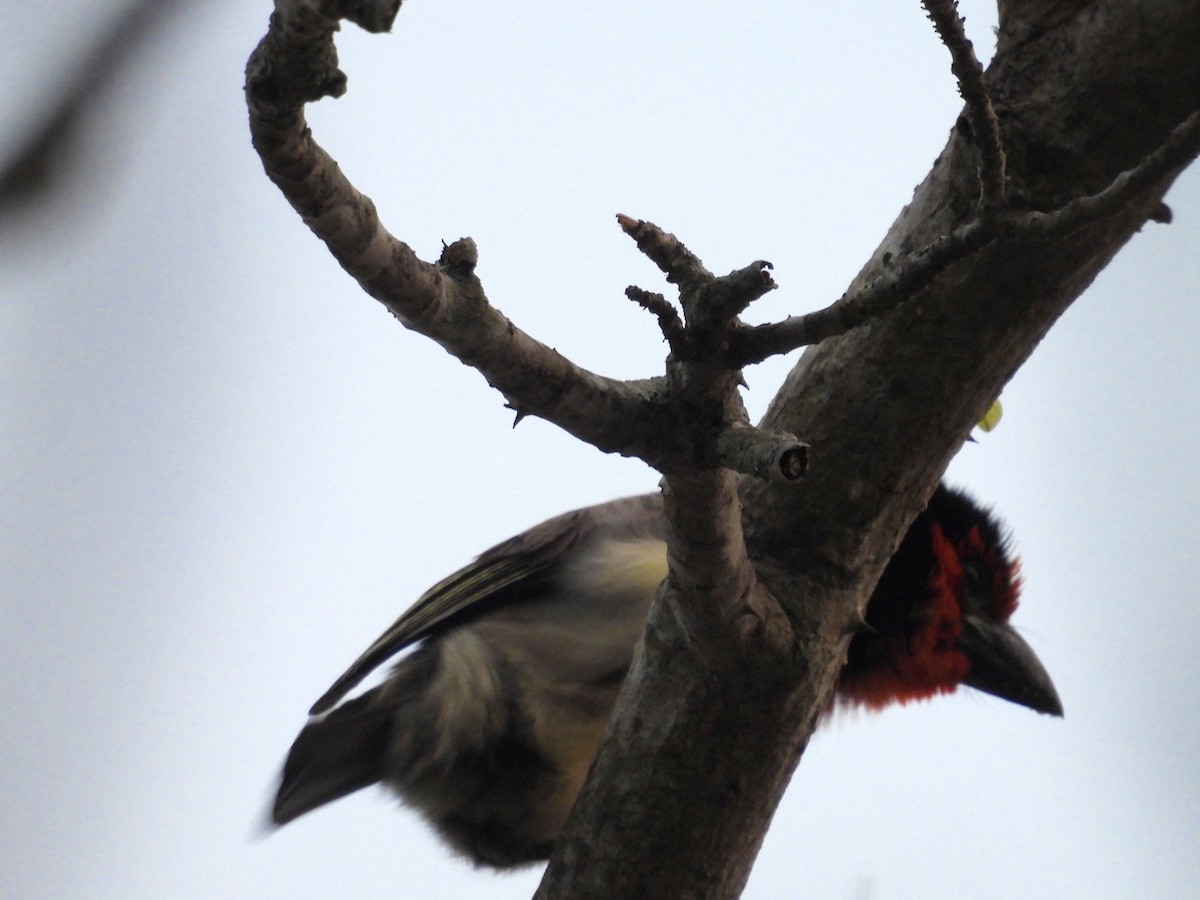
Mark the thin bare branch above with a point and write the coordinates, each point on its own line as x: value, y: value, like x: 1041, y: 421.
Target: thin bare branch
x: 753, y: 344
x: 666, y: 251
x: 1181, y: 147
x: 296, y: 63
x: 972, y: 84
x: 669, y: 322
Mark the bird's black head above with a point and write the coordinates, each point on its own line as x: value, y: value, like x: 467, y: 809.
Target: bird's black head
x: 939, y: 616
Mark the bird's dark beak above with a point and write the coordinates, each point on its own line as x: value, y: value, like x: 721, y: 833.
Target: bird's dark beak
x: 1003, y: 665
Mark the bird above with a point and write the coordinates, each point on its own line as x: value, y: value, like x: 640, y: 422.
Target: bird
x: 489, y: 725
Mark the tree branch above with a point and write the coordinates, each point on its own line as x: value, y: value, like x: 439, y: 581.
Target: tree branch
x: 1180, y: 149
x: 884, y: 408
x: 669, y: 322
x: 767, y: 583
x: 753, y: 344
x: 666, y: 251
x: 985, y: 127
x: 296, y: 63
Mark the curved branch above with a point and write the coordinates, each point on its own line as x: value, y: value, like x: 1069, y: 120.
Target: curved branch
x: 296, y: 63
x: 669, y: 322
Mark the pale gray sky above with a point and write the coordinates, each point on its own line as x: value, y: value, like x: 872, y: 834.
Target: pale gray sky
x: 224, y: 470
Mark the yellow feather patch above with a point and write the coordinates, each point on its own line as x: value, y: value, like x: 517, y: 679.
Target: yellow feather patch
x: 623, y: 567
x: 991, y: 418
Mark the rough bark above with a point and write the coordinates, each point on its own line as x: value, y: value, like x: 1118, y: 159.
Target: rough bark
x: 768, y: 581
x: 698, y: 757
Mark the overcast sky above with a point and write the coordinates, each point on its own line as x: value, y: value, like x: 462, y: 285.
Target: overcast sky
x: 223, y: 470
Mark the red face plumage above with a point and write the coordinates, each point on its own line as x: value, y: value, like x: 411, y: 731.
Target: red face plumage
x: 940, y: 614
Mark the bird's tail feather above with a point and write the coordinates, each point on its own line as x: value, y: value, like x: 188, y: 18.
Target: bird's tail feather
x: 333, y: 757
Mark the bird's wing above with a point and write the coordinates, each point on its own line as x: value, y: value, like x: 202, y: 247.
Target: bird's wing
x: 520, y: 560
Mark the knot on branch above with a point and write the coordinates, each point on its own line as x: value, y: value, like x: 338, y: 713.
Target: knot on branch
x: 773, y: 455
x: 296, y: 62
x: 458, y: 260
x: 721, y: 300
x: 276, y: 78
x: 375, y: 16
